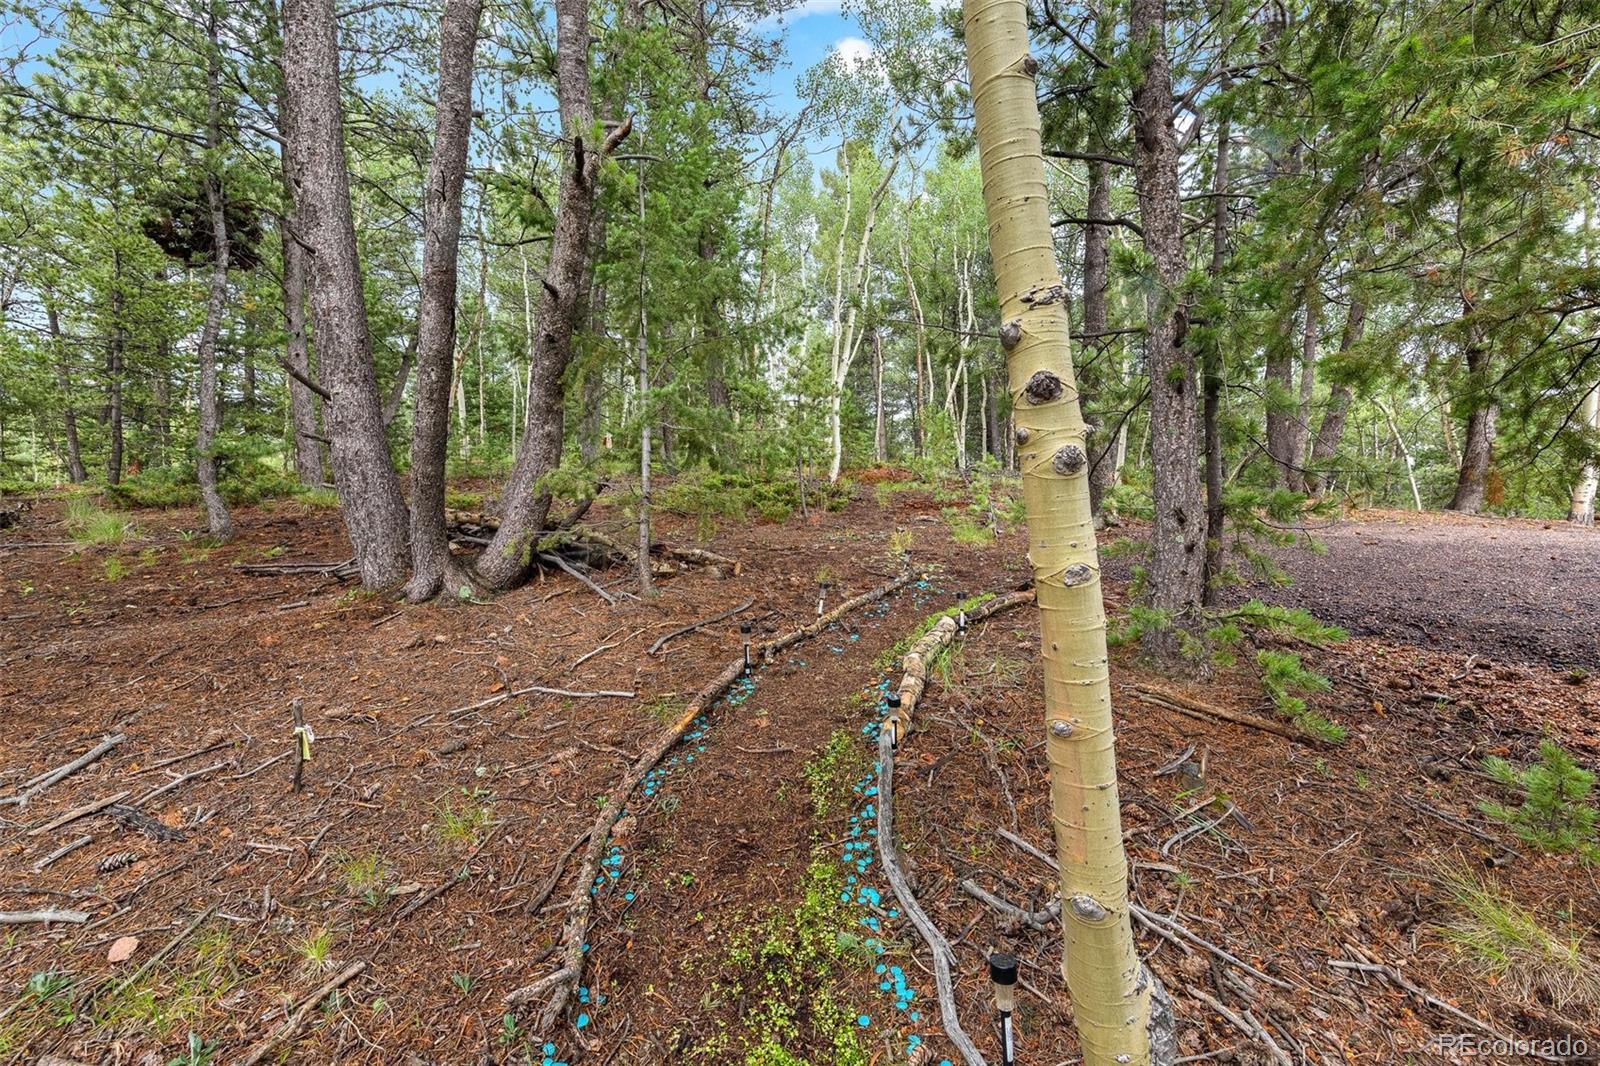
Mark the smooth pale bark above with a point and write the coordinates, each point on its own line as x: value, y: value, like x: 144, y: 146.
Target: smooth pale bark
x: 919, y: 355
x: 525, y: 502
x: 370, y: 500
x: 218, y: 521
x: 846, y: 340
x: 1111, y: 989
x: 880, y: 431
x: 432, y: 568
x: 1301, y: 435
x: 1400, y: 446
x: 1581, y: 509
x: 642, y: 346
x: 114, y: 359
x: 1177, y: 570
x: 1331, y: 430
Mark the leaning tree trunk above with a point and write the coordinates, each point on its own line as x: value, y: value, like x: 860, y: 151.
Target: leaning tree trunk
x: 1479, y: 450
x: 369, y: 490
x: 1331, y: 430
x: 219, y: 522
x: 525, y: 502
x: 1581, y: 510
x: 432, y: 568
x: 1177, y: 571
x: 1112, y: 991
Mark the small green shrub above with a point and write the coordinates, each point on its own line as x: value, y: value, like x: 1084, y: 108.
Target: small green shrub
x: 1282, y: 674
x: 88, y: 525
x: 1555, y: 814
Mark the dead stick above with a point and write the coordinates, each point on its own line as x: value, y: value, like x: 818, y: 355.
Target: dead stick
x: 62, y: 852
x: 79, y: 812
x: 168, y: 949
x: 659, y: 644
x: 302, y: 743
x: 34, y: 785
x: 162, y: 790
x: 49, y: 915
x: 569, y: 568
x: 298, y: 1019
x: 544, y: 691
x: 1195, y: 709
x: 180, y: 758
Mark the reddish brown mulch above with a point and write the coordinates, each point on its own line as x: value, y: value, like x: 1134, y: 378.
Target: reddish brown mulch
x: 183, y: 653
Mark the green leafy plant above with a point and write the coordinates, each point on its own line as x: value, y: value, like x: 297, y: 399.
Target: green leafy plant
x: 90, y: 526
x: 461, y: 821
x: 832, y: 771
x: 1556, y: 813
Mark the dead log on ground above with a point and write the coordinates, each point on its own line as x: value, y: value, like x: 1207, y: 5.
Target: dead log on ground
x: 1172, y: 701
x: 927, y: 648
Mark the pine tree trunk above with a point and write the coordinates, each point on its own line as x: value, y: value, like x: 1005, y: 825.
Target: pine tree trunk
x: 1111, y: 990
x: 432, y: 569
x: 525, y: 502
x: 1478, y: 453
x: 1331, y: 430
x: 1096, y: 280
x: 1212, y: 371
x: 1177, y: 571
x: 364, y: 474
x: 1279, y: 387
x: 302, y: 401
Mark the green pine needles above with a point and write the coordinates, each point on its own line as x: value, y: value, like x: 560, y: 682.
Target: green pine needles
x: 1283, y: 675
x: 1556, y: 814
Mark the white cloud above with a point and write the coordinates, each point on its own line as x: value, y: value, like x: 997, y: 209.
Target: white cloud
x: 855, y: 54
x: 803, y: 10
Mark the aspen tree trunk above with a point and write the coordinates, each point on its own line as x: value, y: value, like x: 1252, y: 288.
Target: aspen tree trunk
x: 370, y: 501
x: 1581, y: 510
x: 880, y: 435
x: 1400, y: 446
x: 218, y: 521
x: 432, y: 569
x: 918, y: 409
x: 1112, y: 991
x: 643, y: 348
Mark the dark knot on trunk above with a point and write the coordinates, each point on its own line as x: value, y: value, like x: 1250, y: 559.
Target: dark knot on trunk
x: 1042, y: 388
x: 1069, y: 459
x: 1010, y: 333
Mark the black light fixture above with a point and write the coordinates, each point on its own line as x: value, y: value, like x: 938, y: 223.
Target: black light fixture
x: 893, y: 720
x: 822, y: 595
x: 744, y: 630
x: 1003, y: 976
x: 961, y: 612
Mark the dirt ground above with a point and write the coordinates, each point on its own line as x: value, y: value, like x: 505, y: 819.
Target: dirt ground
x: 741, y: 907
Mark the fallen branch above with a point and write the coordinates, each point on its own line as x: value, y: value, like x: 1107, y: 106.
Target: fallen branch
x: 943, y: 954
x: 62, y: 852
x: 1040, y: 920
x: 543, y: 691
x: 80, y: 812
x: 1257, y: 1032
x: 37, y: 784
x: 298, y: 1018
x: 180, y: 758
x: 697, y: 556
x: 162, y: 790
x: 927, y: 648
x: 1195, y: 709
x: 580, y: 904
x: 552, y: 557
x: 693, y: 626
x: 49, y: 915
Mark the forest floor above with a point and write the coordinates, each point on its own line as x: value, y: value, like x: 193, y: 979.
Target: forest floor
x: 741, y: 909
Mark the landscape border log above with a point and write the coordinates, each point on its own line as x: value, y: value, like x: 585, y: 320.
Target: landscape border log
x: 580, y: 903
x: 915, y: 662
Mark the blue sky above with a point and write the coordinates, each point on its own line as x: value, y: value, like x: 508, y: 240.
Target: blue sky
x: 810, y: 31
